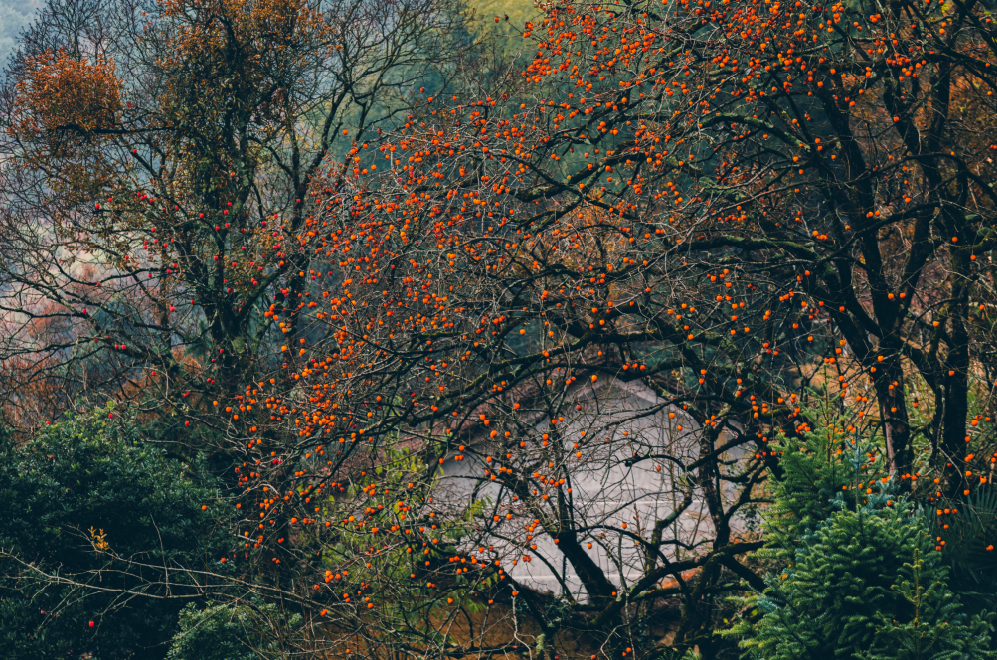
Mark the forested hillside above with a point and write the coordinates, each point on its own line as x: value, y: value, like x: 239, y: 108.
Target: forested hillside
x: 427, y: 330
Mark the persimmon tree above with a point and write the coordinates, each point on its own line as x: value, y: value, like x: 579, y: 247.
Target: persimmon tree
x: 805, y: 158
x: 709, y: 199
x: 156, y: 161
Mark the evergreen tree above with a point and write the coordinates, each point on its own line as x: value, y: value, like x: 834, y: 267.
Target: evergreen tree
x: 814, y: 471
x: 864, y: 582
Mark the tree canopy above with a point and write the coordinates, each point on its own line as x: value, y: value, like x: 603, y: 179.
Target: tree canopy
x: 440, y: 305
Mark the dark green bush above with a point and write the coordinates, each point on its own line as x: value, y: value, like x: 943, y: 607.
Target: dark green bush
x: 250, y: 631
x: 856, y: 573
x: 129, y: 575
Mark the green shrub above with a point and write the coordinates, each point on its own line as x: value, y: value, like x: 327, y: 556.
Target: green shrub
x: 858, y: 576
x: 867, y: 585
x: 93, y: 472
x: 231, y: 632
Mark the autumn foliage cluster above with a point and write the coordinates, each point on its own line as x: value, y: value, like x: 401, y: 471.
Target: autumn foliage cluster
x: 510, y: 345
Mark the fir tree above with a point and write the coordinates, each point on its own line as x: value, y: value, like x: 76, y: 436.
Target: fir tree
x: 927, y: 633
x: 860, y: 578
x: 815, y: 470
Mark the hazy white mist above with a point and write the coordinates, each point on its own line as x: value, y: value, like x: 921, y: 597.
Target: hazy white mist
x: 14, y: 15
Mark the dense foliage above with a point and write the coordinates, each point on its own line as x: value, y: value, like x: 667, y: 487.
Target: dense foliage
x: 106, y: 540
x: 221, y: 632
x: 458, y: 338
x: 857, y: 575
x: 868, y: 586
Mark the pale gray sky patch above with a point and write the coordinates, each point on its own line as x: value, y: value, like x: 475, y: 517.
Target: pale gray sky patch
x: 14, y: 16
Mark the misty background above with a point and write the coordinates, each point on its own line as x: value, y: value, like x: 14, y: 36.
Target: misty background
x: 14, y: 16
